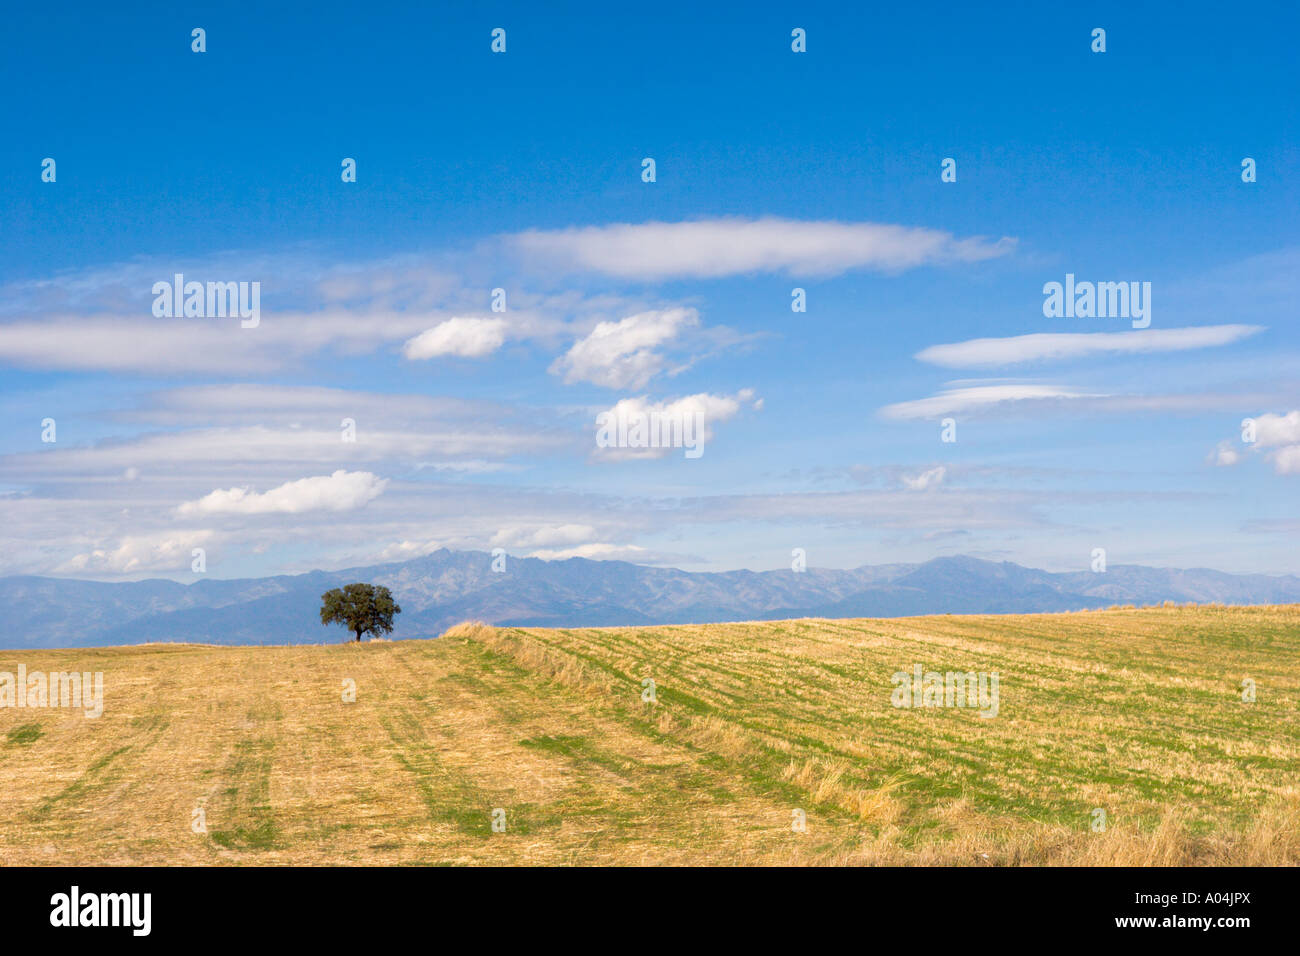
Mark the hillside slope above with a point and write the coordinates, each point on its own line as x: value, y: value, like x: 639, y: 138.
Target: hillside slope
x: 1136, y: 712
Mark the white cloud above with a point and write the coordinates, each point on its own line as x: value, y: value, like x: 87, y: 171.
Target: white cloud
x: 1009, y: 399
x: 282, y: 451
x: 1277, y: 437
x: 101, y: 318
x: 168, y: 552
x: 1046, y: 346
x: 406, y: 550
x: 128, y: 344
x: 932, y: 477
x: 341, y: 491
x: 596, y: 552
x: 473, y: 466
x: 1225, y: 455
x: 1286, y: 461
x: 682, y: 413
x: 518, y: 537
x: 621, y: 354
x: 463, y: 337
x: 242, y: 433
x: 713, y: 248
x: 1273, y: 431
x: 979, y: 397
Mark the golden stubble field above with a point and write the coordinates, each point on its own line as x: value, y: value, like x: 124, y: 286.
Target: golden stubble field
x: 1134, y: 712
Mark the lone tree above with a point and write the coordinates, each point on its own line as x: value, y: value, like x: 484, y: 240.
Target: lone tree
x: 361, y: 608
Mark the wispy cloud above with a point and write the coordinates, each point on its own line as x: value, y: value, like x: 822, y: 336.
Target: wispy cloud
x: 101, y: 318
x: 1042, y: 399
x: 930, y: 478
x: 598, y: 551
x: 1055, y: 346
x: 277, y: 432
x: 979, y: 397
x: 714, y: 248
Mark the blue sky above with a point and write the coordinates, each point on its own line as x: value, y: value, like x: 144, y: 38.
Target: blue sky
x: 523, y: 171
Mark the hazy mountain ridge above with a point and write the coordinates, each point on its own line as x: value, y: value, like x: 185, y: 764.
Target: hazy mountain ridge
x: 439, y: 589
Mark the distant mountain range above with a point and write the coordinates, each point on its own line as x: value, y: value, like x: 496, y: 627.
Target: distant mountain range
x: 445, y: 587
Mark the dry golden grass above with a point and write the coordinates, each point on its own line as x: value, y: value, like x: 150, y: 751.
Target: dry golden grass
x: 1137, y: 712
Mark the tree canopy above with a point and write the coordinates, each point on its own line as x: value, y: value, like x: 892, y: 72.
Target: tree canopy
x: 361, y: 608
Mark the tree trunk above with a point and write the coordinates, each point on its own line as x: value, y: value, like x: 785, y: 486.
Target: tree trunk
x: 358, y: 636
